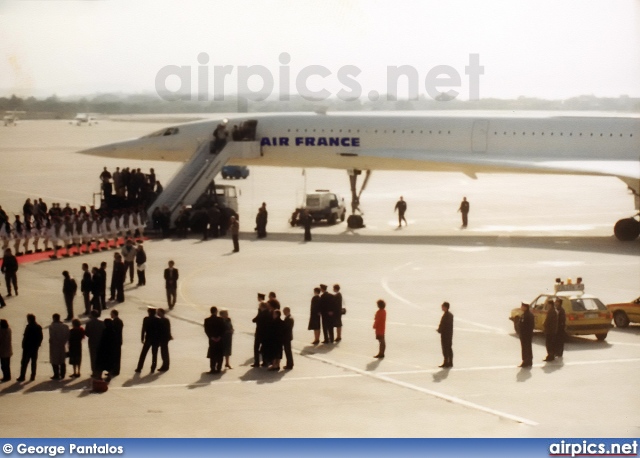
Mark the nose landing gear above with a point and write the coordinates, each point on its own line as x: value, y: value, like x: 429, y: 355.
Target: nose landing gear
x: 355, y: 221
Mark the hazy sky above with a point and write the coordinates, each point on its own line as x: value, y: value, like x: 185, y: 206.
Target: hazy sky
x: 539, y: 48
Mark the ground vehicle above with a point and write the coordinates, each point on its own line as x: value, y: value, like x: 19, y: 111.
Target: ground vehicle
x: 625, y: 313
x: 235, y: 171
x: 586, y: 314
x: 326, y: 205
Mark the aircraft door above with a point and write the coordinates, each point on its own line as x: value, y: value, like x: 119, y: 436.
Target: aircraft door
x: 479, y: 136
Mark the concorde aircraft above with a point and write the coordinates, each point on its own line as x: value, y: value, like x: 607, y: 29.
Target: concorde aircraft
x: 467, y: 142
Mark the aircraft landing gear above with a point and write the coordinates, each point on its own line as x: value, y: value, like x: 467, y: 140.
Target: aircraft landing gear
x: 627, y: 229
x: 355, y: 221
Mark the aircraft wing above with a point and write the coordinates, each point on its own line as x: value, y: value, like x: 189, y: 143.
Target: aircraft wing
x: 471, y: 163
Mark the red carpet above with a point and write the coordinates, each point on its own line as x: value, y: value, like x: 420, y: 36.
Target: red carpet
x: 33, y: 257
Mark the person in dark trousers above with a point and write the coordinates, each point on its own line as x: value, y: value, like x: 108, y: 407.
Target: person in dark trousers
x: 234, y: 227
x: 118, y: 327
x: 306, y: 222
x: 464, y: 210
x: 76, y: 335
x: 550, y: 330
x: 105, y: 360
x: 165, y: 337
x: 214, y: 329
x: 274, y: 340
x: 527, y: 323
x: 93, y: 329
x: 129, y: 257
x: 141, y: 264
x: 150, y: 338
x: 96, y: 290
x: 326, y: 310
x: 118, y: 276
x: 10, y: 270
x: 31, y: 341
x: 401, y: 208
x: 288, y: 337
x: 379, y: 325
x: 261, y: 320
x: 315, y: 316
x: 337, y: 311
x: 85, y: 288
x: 562, y: 324
x: 102, y: 271
x: 227, y: 340
x: 6, y: 350
x: 171, y: 276
x: 261, y: 221
x: 446, y: 336
x: 69, y: 289
x: 58, y: 340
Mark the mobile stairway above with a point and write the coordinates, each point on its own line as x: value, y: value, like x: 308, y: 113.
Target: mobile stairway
x: 193, y: 179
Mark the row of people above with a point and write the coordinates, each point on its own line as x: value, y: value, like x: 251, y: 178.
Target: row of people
x: 79, y: 229
x: 130, y: 184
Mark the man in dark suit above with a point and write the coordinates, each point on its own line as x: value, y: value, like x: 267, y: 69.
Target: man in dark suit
x: 118, y: 327
x: 9, y: 269
x: 150, y: 339
x: 261, y: 320
x: 327, y: 308
x: 214, y: 329
x: 165, y: 337
x: 30, y: 344
x: 85, y: 288
x: 526, y: 335
x: 118, y: 276
x: 171, y: 284
x: 446, y: 335
x: 562, y: 324
x: 102, y: 297
x: 550, y: 330
x: 288, y: 337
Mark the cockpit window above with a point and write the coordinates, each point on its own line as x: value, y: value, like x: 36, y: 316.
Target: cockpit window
x: 163, y: 132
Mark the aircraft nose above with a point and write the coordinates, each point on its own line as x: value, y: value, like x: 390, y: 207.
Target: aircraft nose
x: 118, y: 150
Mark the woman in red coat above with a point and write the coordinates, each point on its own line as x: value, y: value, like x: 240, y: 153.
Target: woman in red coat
x: 379, y: 322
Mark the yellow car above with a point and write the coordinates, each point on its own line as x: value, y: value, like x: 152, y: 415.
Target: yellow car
x: 625, y: 313
x: 585, y: 313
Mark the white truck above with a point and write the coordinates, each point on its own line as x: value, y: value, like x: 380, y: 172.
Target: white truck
x: 325, y: 205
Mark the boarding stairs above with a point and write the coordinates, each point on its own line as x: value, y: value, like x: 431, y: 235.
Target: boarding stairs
x: 193, y: 179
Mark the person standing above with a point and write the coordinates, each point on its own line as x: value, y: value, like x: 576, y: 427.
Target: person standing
x: 10, y: 270
x: 76, y: 335
x: 102, y: 283
x: 141, y: 264
x: 31, y: 341
x: 118, y: 327
x: 85, y: 288
x: 234, y: 227
x: 315, y: 316
x: 106, y: 350
x: 326, y: 311
x: 171, y: 284
x: 306, y: 222
x: 58, y: 339
x: 165, y: 337
x: 69, y: 289
x: 337, y: 311
x: 275, y: 340
x: 118, y: 277
x: 550, y: 330
x: 379, y: 325
x: 288, y: 337
x: 527, y: 323
x: 261, y: 320
x: 6, y: 350
x: 214, y: 329
x: 93, y: 330
x: 150, y: 338
x: 446, y: 335
x: 401, y: 208
x: 261, y: 221
x: 227, y: 340
x: 562, y: 324
x: 464, y: 210
x: 129, y: 255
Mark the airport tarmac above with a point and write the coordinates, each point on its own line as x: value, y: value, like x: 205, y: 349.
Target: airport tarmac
x: 524, y: 231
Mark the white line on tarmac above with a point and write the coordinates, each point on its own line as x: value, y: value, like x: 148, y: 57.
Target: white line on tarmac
x: 433, y: 393
x: 385, y: 286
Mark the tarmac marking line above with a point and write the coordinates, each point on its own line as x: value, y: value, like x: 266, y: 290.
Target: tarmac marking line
x: 433, y: 393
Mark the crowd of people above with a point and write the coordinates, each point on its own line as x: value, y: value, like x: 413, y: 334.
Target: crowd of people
x: 63, y: 228
x: 129, y: 188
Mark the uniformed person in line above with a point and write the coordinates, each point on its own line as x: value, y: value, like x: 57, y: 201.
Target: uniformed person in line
x: 526, y: 335
x: 560, y: 334
x: 550, y: 330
